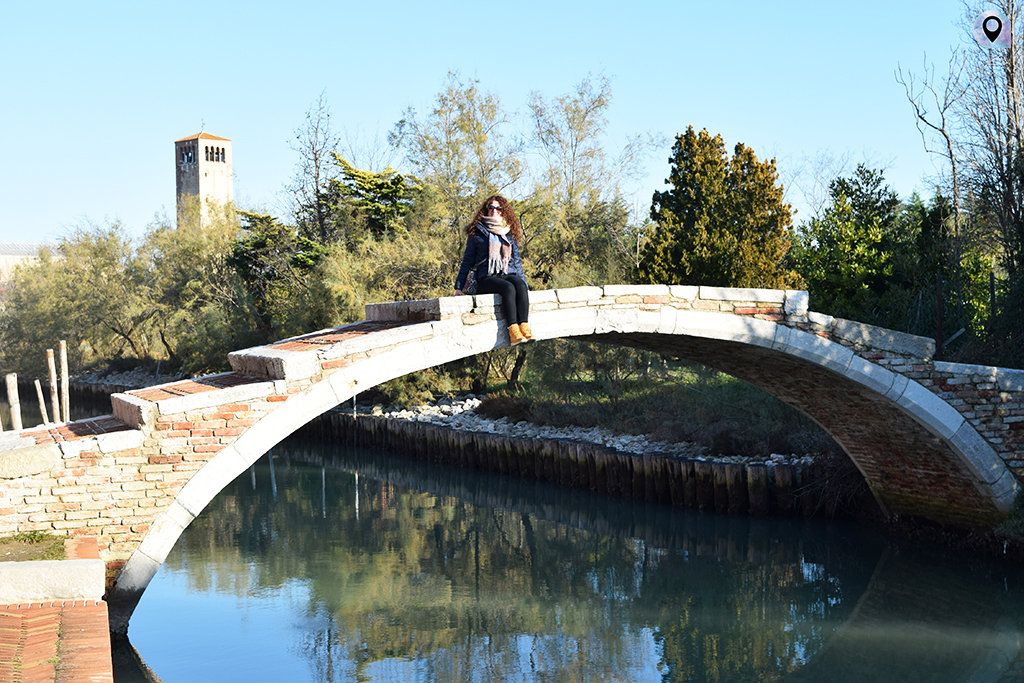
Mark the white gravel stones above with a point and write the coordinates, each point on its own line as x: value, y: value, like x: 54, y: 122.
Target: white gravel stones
x: 460, y: 414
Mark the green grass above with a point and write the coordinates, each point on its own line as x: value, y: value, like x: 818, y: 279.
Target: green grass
x: 679, y: 402
x: 31, y: 545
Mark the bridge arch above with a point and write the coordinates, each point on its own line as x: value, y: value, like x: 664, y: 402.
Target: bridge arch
x: 918, y: 453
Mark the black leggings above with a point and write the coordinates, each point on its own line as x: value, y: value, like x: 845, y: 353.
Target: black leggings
x: 515, y: 295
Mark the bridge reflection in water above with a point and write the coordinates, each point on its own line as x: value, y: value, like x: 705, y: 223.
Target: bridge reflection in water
x: 390, y: 569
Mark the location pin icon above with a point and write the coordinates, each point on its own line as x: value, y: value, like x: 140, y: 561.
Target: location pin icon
x: 992, y: 26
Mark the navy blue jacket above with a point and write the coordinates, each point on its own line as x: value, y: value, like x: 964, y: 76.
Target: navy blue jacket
x: 477, y: 245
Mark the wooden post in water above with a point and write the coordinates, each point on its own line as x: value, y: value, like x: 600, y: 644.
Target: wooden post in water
x: 52, y: 366
x: 14, y: 401
x: 757, y: 489
x: 65, y: 383
x: 705, y: 475
x: 42, y: 403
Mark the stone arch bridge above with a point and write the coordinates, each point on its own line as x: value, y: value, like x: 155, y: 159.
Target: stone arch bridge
x: 936, y: 440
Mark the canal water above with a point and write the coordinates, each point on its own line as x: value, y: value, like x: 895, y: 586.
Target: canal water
x: 337, y: 564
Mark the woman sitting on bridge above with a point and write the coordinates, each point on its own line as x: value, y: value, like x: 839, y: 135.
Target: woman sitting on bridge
x: 492, y: 255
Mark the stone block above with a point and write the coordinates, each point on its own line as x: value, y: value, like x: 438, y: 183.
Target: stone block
x: 775, y: 296
x: 885, y: 339
x: 666, y: 320
x: 578, y: 294
x: 820, y: 319
x: 75, y: 448
x: 931, y: 411
x: 261, y: 361
x: 684, y: 292
x: 813, y: 348
x: 13, y: 442
x: 615, y: 320
x: 874, y: 377
x: 113, y: 442
x: 648, y: 321
x: 28, y: 461
x: 214, y: 476
x: 543, y: 296
x: 614, y: 291
x: 796, y: 302
x: 49, y: 580
x: 210, y: 399
x: 977, y: 455
x: 165, y: 531
x: 564, y: 322
x: 711, y: 325
x: 134, y: 411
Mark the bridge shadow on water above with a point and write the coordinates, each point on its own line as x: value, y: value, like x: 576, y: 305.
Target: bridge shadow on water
x: 869, y: 608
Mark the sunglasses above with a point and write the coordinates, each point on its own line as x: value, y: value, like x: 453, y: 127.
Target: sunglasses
x: 494, y: 208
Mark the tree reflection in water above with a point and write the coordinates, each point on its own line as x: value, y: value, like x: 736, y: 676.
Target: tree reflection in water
x: 417, y: 572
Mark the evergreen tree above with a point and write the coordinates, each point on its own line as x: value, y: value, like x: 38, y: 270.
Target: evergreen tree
x: 723, y: 221
x: 380, y: 199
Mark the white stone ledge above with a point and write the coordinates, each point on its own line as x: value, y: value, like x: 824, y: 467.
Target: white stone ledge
x: 636, y: 290
x: 13, y: 442
x: 379, y: 339
x: 884, y: 339
x: 796, y: 302
x: 768, y: 296
x: 542, y: 296
x: 1008, y: 379
x: 420, y: 309
x: 208, y: 399
x: 133, y: 411
x: 813, y: 348
x: 578, y: 294
x: 165, y: 531
x: 727, y: 327
x: 685, y: 292
x: 261, y: 361
x: 931, y: 411
x: 29, y: 460
x: 124, y: 440
x: 46, y: 580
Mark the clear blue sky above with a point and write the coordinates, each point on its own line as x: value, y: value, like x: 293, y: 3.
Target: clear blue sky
x: 96, y: 93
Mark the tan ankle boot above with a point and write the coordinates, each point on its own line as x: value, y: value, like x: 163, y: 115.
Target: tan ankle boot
x: 515, y: 336
x: 525, y: 329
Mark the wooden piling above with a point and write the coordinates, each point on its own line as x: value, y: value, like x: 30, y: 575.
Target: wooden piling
x: 757, y: 490
x: 52, y: 367
x: 721, y: 485
x: 783, y: 493
x: 736, y: 488
x: 42, y: 403
x: 65, y: 383
x: 13, y: 401
x: 705, y: 485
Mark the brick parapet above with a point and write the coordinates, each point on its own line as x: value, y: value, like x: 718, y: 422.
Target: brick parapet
x: 111, y: 486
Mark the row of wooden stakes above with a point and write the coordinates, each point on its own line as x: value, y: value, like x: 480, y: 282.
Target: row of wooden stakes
x: 755, y: 489
x: 61, y: 404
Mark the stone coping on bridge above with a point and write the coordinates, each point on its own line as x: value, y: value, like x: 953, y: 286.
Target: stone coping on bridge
x: 794, y: 302
x: 1007, y: 379
x: 398, y: 322
x: 36, y: 450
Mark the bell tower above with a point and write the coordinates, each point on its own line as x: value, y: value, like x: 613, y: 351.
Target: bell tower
x: 202, y: 173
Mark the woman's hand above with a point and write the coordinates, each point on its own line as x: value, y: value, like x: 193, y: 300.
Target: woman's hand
x: 458, y: 292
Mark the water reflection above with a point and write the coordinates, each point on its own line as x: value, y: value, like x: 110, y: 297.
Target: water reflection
x: 354, y: 565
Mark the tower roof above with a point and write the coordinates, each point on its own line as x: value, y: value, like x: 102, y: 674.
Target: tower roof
x: 203, y: 136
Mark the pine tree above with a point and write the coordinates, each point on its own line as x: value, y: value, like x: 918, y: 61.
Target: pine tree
x: 723, y: 221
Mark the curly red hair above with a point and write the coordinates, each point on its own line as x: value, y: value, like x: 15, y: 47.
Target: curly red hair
x: 507, y: 212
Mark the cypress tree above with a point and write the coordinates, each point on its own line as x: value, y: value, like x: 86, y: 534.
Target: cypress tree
x: 722, y: 222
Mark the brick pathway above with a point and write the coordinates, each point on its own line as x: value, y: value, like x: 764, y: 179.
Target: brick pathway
x: 61, y: 641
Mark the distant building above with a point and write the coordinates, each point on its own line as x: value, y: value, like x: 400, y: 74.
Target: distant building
x: 13, y: 254
x: 202, y: 173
